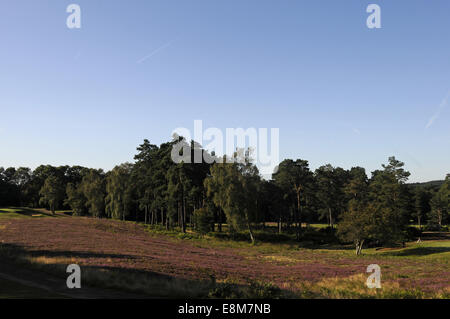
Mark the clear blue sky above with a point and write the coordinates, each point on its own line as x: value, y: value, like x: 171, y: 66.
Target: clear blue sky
x: 339, y: 92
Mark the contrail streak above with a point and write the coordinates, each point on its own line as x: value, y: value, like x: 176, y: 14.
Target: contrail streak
x: 148, y: 56
x: 438, y: 112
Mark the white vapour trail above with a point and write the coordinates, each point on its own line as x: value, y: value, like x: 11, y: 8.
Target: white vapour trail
x: 438, y: 112
x: 148, y: 56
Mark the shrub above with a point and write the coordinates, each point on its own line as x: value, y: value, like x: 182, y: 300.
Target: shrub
x: 432, y: 227
x: 412, y: 233
x: 263, y: 290
x: 203, y: 220
x: 226, y: 290
x: 264, y: 236
x: 255, y: 290
x: 319, y: 237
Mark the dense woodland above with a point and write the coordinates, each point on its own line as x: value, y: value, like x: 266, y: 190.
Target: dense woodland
x: 154, y: 190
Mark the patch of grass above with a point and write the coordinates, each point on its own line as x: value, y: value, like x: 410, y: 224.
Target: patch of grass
x: 23, y: 212
x: 152, y: 285
x: 438, y: 250
x: 14, y: 290
x: 354, y: 287
x: 318, y: 226
x: 433, y: 250
x: 289, y: 264
x: 266, y: 241
x: 230, y: 289
x: 13, y: 213
x: 281, y: 259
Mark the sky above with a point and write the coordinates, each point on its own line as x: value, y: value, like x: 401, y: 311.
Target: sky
x: 339, y: 92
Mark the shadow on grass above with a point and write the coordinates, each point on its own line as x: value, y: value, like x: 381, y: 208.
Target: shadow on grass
x: 11, y: 250
x: 14, y: 290
x: 76, y: 254
x: 28, y: 212
x: 335, y: 247
x: 5, y: 212
x: 46, y: 212
x: 101, y: 281
x: 260, y: 237
x: 419, y: 251
x: 115, y: 280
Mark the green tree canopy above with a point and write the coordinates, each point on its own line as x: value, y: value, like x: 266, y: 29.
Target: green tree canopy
x: 52, y: 192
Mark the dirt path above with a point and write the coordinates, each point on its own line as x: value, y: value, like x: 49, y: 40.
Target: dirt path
x: 56, y: 286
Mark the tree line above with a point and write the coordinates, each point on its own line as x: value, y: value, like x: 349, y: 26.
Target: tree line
x: 203, y: 196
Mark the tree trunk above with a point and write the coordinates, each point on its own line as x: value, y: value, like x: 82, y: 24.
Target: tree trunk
x: 439, y: 218
x: 331, y: 217
x: 183, y: 217
x: 251, y: 233
x: 264, y: 220
x: 298, y: 215
x: 146, y: 213
x: 179, y: 214
x: 279, y: 225
x: 167, y: 219
x: 418, y: 221
x: 359, y: 245
x: 219, y: 225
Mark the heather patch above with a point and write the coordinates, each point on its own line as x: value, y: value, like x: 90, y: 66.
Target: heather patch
x: 126, y: 255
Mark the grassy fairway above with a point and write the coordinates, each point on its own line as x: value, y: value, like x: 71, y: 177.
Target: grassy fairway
x: 433, y: 250
x: 16, y: 213
x: 21, y: 212
x: 427, y: 250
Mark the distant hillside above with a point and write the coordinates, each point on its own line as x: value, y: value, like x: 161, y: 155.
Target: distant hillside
x: 431, y: 184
